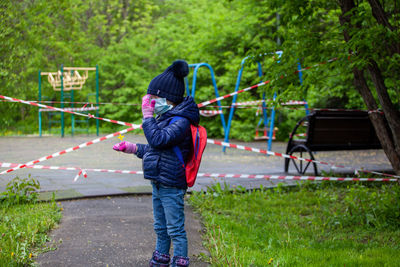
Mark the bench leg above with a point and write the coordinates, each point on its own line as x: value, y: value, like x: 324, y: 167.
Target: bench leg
x: 300, y: 166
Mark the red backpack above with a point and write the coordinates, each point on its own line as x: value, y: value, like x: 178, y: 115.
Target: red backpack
x: 199, y: 141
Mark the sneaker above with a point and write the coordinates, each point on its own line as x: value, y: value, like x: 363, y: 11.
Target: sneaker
x: 159, y: 260
x: 180, y: 261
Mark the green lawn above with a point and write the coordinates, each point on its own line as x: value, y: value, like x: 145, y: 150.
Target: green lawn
x: 311, y: 225
x: 23, y: 229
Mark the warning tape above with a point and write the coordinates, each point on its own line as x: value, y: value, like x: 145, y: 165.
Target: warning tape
x: 11, y: 165
x: 67, y: 111
x: 208, y: 140
x: 20, y: 166
x: 70, y: 109
x: 205, y: 103
x: 288, y: 177
x: 91, y: 103
x: 290, y: 108
x: 210, y: 113
x: 212, y: 175
x: 81, y: 171
x: 257, y: 102
x: 271, y: 153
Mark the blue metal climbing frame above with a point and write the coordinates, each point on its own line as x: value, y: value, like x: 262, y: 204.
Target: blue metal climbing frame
x: 269, y: 119
x: 196, y: 67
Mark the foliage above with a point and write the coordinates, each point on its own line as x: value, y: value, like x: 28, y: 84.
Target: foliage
x: 20, y: 191
x: 313, y: 224
x: 23, y: 231
x: 133, y: 42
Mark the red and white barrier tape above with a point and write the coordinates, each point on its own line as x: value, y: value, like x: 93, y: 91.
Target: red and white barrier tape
x: 210, y: 113
x: 271, y: 153
x: 212, y: 175
x: 81, y: 171
x: 91, y: 103
x: 208, y: 140
x: 249, y: 103
x: 289, y: 177
x: 69, y: 150
x: 79, y: 174
x: 293, y: 103
x: 293, y: 108
x: 205, y: 103
x: 257, y: 102
x: 70, y: 109
x: 67, y: 111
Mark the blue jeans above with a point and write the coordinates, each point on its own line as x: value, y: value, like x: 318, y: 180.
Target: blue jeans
x: 169, y: 219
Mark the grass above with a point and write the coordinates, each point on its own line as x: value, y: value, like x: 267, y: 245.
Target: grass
x: 23, y: 230
x: 24, y: 223
x: 324, y: 224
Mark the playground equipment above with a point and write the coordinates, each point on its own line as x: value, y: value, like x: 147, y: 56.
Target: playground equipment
x: 66, y: 81
x: 268, y: 119
x: 196, y: 67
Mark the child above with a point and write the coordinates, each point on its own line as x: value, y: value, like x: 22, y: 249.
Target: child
x: 161, y: 164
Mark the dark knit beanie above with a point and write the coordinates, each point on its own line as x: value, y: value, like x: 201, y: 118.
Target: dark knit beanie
x: 170, y: 84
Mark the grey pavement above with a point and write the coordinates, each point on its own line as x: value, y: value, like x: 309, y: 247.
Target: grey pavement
x: 101, y: 155
x: 114, y: 226
x: 112, y: 231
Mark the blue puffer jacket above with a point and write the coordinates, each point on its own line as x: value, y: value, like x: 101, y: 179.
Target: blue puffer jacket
x: 160, y: 162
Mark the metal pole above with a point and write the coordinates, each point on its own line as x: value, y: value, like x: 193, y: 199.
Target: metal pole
x: 228, y: 126
x: 62, y: 100
x: 72, y: 115
x: 97, y: 98
x: 271, y: 126
x: 40, y: 99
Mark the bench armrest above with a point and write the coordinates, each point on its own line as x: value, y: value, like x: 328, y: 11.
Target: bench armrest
x: 289, y: 145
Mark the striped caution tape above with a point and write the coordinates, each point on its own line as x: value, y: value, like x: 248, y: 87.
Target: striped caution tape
x: 79, y: 174
x: 271, y: 153
x: 211, y: 175
x: 90, y: 103
x: 71, y: 109
x: 208, y: 140
x: 205, y: 103
x: 289, y: 177
x: 20, y: 166
x: 67, y: 111
x: 210, y: 113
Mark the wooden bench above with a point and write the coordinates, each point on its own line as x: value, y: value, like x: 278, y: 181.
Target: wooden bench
x: 331, y: 131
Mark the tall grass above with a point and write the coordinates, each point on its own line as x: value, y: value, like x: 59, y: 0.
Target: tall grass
x: 323, y: 224
x: 24, y: 223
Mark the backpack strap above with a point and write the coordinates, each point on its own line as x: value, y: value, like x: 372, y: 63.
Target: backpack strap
x: 176, y: 148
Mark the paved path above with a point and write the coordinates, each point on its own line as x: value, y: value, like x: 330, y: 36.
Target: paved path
x: 112, y: 231
x: 101, y: 155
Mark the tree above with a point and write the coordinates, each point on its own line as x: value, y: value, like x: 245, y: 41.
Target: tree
x: 365, y: 36
x: 353, y: 26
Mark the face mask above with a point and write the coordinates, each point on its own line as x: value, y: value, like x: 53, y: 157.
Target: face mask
x: 161, y: 106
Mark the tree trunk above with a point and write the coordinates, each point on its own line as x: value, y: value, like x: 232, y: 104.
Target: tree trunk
x: 377, y: 119
x: 385, y: 137
x: 390, y: 111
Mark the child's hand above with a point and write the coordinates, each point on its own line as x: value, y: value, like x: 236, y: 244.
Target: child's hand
x: 126, y: 147
x: 147, y: 107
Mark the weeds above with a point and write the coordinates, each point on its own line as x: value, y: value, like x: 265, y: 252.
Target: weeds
x: 20, y: 191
